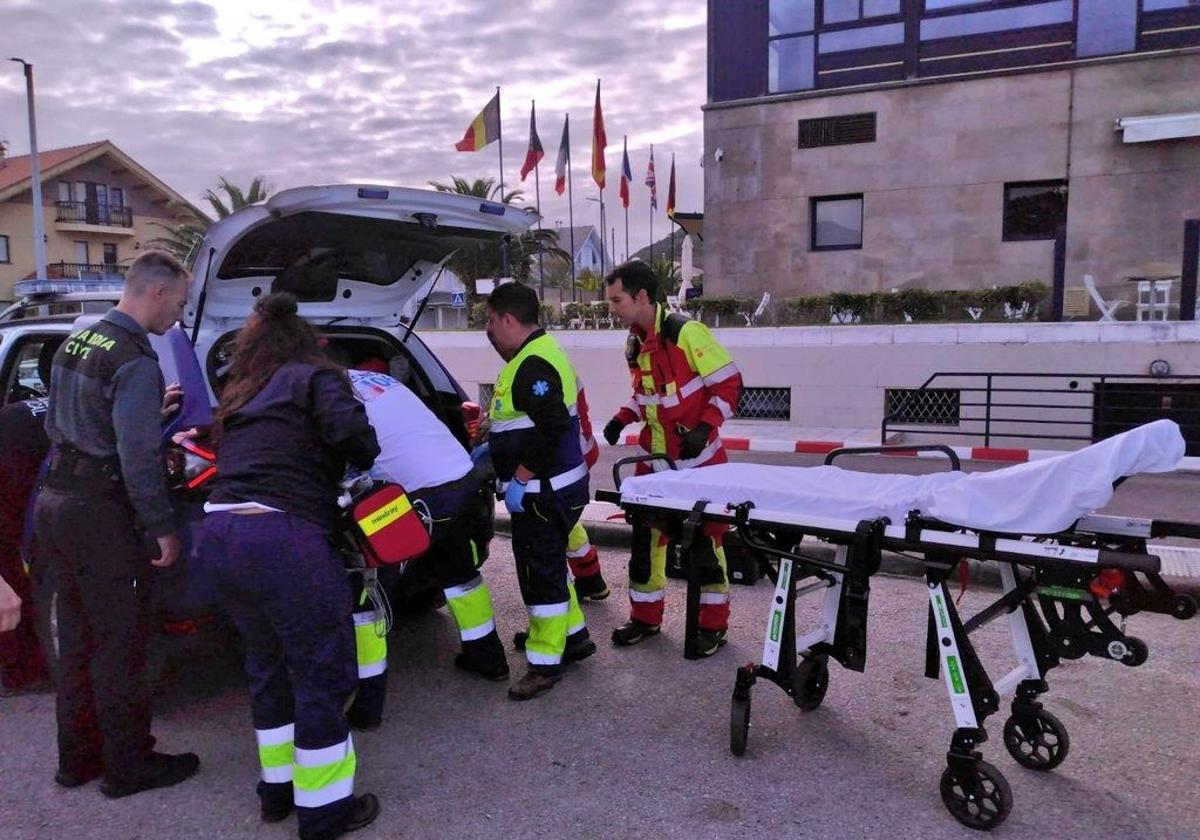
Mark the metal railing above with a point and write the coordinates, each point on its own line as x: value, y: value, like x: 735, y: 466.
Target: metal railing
x: 93, y: 213
x: 73, y: 271
x: 1081, y: 407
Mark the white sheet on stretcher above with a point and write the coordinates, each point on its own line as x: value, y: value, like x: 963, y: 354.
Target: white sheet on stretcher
x: 1038, y: 497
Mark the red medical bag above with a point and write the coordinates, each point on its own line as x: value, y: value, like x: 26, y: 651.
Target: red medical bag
x: 389, y: 530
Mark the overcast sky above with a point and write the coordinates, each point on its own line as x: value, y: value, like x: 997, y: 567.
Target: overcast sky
x: 326, y: 91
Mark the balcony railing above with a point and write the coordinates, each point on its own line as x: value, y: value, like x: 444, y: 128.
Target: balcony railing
x: 85, y: 271
x: 93, y: 213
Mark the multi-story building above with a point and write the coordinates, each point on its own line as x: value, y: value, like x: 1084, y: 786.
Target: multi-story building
x: 861, y: 145
x: 100, y: 208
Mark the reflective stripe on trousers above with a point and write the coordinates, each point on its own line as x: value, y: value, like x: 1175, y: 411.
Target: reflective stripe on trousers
x: 548, y: 625
x: 370, y: 643
x: 324, y: 775
x: 471, y: 606
x: 276, y: 753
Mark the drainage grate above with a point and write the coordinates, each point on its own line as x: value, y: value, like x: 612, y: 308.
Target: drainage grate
x: 836, y: 131
x: 923, y: 406
x: 765, y: 404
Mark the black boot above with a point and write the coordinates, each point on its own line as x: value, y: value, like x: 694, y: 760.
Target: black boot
x: 484, y: 657
x: 158, y: 770
x: 632, y: 632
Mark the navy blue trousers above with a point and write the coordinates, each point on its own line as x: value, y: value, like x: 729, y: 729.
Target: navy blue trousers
x: 284, y: 585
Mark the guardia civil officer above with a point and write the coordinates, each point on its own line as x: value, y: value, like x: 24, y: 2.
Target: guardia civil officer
x: 534, y: 447
x: 103, y: 519
x: 287, y: 426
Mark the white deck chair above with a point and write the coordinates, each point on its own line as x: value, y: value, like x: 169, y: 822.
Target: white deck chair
x: 751, y: 317
x: 673, y: 303
x: 1107, y: 308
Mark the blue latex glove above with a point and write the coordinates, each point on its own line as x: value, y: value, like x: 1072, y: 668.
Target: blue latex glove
x: 481, y: 453
x: 514, y: 496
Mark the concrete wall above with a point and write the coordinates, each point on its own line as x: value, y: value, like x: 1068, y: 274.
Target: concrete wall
x: 838, y: 375
x: 933, y: 182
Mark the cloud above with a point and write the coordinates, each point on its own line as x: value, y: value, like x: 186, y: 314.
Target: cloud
x: 318, y: 91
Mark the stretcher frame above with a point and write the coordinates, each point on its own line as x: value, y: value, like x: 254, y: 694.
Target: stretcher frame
x: 1052, y: 609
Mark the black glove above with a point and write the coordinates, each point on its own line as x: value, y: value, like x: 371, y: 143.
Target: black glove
x: 612, y: 431
x: 693, y: 442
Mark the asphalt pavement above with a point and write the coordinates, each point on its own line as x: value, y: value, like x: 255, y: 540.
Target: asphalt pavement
x: 634, y: 742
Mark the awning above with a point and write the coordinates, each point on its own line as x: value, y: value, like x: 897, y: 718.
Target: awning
x: 1160, y: 127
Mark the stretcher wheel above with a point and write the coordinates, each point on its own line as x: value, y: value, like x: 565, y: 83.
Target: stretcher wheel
x: 1039, y: 742
x: 1137, y: 654
x: 739, y: 725
x: 1183, y: 607
x: 810, y: 680
x: 983, y: 803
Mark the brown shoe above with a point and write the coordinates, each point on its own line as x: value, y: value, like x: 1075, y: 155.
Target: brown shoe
x: 531, y: 685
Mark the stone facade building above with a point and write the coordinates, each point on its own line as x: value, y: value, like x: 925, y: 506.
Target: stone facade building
x: 864, y: 145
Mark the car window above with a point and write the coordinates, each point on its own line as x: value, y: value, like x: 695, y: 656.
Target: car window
x: 27, y: 366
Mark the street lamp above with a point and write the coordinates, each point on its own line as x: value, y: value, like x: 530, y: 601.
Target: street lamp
x: 35, y: 163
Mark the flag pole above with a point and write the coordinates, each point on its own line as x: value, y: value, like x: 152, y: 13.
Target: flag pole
x: 500, y: 147
x: 570, y: 207
x: 671, y: 219
x: 537, y: 187
x: 652, y: 208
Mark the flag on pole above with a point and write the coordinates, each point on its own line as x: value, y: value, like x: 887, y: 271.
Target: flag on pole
x: 535, y: 152
x: 484, y: 129
x: 626, y: 174
x: 564, y: 156
x: 599, y: 142
x: 671, y: 191
x: 652, y: 182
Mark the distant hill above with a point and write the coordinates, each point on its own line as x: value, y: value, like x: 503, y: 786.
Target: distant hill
x: 662, y: 246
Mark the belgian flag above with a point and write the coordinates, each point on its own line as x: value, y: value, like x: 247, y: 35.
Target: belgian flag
x: 484, y: 129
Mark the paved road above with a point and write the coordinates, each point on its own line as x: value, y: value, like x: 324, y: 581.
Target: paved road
x: 1173, y: 496
x: 634, y: 742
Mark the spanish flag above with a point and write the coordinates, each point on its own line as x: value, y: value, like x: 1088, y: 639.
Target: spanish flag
x: 599, y: 141
x: 484, y: 129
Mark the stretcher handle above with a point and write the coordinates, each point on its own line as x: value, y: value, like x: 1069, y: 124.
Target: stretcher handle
x: 955, y: 464
x: 638, y: 459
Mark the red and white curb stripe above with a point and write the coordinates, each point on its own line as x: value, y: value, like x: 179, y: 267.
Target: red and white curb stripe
x: 966, y: 453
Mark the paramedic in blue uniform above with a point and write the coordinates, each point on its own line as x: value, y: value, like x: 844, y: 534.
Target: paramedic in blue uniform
x: 533, y: 443
x: 286, y: 428
x: 102, y: 521
x: 418, y: 452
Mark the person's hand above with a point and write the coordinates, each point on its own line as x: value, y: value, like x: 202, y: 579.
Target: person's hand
x: 171, y: 399
x: 514, y: 496
x: 168, y: 548
x: 612, y: 431
x: 180, y: 437
x: 481, y: 453
x: 693, y: 442
x: 10, y: 608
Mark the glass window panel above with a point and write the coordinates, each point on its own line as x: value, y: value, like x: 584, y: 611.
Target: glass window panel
x: 1106, y: 27
x: 857, y: 39
x: 998, y: 20
x: 839, y: 11
x: 1034, y: 210
x: 931, y: 5
x: 876, y: 8
x: 1156, y: 5
x: 787, y: 16
x: 790, y: 64
x: 4, y: 249
x: 64, y: 191
x: 837, y: 222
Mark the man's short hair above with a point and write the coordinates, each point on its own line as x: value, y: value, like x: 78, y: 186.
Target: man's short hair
x: 153, y: 267
x: 516, y: 300
x: 635, y: 275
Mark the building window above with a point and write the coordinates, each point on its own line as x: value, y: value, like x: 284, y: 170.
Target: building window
x: 791, y: 50
x: 1034, y: 210
x: 847, y: 11
x: 765, y: 404
x: 1105, y: 27
x: 116, y: 197
x: 110, y: 253
x: 922, y: 406
x: 837, y: 222
x: 4, y: 257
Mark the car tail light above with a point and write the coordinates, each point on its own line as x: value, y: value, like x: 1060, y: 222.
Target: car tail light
x: 472, y: 417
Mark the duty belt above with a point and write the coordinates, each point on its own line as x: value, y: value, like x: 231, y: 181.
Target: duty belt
x: 557, y: 482
x: 71, y: 469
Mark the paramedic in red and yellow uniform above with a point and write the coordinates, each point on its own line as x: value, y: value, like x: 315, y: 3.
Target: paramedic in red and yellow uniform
x: 685, y: 385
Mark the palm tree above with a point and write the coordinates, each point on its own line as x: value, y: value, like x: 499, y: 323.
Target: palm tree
x: 180, y: 239
x: 235, y: 199
x: 479, y: 188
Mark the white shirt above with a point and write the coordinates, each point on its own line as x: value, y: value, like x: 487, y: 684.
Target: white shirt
x: 416, y: 448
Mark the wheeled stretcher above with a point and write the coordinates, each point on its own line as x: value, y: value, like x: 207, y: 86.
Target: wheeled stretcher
x: 1065, y: 572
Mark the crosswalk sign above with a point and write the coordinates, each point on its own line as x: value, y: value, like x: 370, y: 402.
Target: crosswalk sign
x: 458, y: 300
